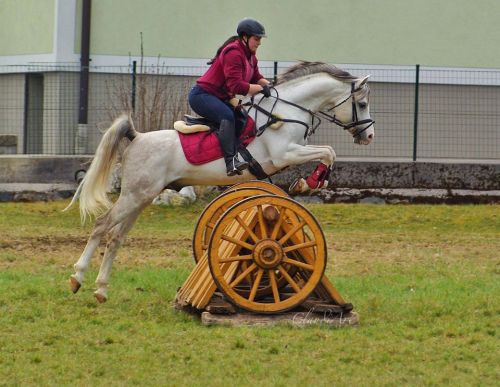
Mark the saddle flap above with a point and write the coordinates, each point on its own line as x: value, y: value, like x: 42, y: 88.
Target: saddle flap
x: 191, y: 120
x: 203, y: 147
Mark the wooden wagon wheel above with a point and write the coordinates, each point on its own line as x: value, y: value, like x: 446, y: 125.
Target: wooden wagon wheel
x: 259, y: 184
x: 272, y: 244
x: 213, y: 211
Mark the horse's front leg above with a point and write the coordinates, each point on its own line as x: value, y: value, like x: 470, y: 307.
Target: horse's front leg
x: 318, y: 179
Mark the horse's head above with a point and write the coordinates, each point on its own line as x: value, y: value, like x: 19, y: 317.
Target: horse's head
x: 352, y: 112
x: 325, y: 91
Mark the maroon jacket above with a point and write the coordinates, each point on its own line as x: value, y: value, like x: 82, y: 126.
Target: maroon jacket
x: 232, y: 72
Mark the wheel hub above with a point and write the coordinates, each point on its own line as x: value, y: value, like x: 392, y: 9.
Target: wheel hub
x: 267, y: 253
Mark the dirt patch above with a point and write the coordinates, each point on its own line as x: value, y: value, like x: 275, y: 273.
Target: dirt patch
x: 347, y: 254
x: 64, y: 251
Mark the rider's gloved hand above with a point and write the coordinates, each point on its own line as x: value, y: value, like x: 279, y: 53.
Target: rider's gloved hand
x: 266, y: 90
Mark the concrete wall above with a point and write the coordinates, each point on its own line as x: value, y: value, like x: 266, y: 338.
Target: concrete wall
x: 46, y: 169
x: 58, y: 111
x: 455, y: 121
x: 451, y: 33
x: 432, y: 32
x: 109, y: 96
x: 41, y: 169
x: 8, y: 144
x: 26, y: 26
x: 12, y: 107
x: 60, y: 118
x: 404, y: 175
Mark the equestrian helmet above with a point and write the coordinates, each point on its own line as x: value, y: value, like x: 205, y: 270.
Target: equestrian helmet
x: 250, y: 27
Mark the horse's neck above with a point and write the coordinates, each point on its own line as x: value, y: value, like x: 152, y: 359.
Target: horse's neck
x: 313, y: 92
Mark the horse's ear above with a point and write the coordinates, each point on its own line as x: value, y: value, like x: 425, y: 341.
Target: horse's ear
x: 360, y: 82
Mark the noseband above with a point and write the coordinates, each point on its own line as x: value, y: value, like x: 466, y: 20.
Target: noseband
x: 315, y: 116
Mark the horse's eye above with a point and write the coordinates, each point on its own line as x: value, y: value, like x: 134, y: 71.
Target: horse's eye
x: 362, y: 105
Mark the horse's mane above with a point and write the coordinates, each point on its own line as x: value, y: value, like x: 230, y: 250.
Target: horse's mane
x: 304, y: 68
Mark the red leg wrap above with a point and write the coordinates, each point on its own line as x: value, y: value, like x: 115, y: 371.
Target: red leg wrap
x: 318, y: 177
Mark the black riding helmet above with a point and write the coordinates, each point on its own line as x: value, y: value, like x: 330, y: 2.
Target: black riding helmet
x: 250, y: 27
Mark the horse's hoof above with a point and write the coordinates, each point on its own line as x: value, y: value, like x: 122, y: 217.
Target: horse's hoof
x: 101, y: 298
x: 297, y: 187
x: 74, y: 284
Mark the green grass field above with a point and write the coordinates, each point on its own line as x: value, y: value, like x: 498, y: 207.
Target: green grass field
x: 424, y: 280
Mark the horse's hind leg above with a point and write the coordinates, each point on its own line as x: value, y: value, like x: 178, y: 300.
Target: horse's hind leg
x: 115, y: 240
x: 121, y: 218
x: 103, y: 225
x: 83, y: 262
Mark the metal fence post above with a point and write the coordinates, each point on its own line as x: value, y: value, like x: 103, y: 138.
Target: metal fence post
x: 26, y: 114
x: 415, y: 112
x: 81, y: 137
x: 134, y: 79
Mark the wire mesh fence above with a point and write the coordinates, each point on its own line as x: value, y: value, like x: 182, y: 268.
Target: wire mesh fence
x: 421, y: 113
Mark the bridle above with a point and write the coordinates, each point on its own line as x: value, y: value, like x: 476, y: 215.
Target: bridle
x: 315, y: 116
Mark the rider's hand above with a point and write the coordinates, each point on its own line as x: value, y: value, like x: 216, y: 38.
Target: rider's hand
x: 266, y: 90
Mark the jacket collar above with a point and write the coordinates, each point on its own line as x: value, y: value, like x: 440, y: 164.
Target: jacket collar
x: 245, y: 49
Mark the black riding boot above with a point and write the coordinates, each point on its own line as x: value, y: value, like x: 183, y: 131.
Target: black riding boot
x: 226, y: 136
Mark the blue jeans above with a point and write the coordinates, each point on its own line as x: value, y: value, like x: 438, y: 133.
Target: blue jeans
x: 209, y: 106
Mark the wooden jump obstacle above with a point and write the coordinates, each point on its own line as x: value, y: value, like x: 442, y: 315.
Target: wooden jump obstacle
x: 260, y: 259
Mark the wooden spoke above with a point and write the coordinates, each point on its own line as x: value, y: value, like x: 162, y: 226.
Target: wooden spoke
x: 299, y: 246
x: 236, y: 258
x: 219, y: 206
x: 247, y: 228
x: 262, y: 222
x: 236, y: 242
x: 289, y: 279
x: 302, y: 265
x: 274, y: 285
x: 223, y: 208
x: 256, y: 284
x: 248, y: 278
x: 292, y: 231
x: 243, y: 275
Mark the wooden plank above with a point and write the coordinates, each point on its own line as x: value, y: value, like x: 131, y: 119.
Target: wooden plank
x: 298, y: 319
x: 218, y: 305
x: 199, y: 287
x: 227, y: 250
x: 319, y: 306
x: 193, y: 278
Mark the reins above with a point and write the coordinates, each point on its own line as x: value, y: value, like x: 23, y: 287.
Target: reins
x: 315, y: 116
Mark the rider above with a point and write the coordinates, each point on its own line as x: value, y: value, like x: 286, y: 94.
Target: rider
x: 233, y: 70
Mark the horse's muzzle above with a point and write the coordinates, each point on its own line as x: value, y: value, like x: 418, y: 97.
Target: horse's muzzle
x: 364, y: 141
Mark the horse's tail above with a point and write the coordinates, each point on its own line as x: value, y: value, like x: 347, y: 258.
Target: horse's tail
x: 92, y: 190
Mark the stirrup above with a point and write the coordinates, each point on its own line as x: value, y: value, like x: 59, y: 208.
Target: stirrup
x: 235, y: 166
x: 232, y: 172
x: 241, y: 165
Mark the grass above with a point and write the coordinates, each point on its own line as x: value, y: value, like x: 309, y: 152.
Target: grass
x: 424, y: 279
